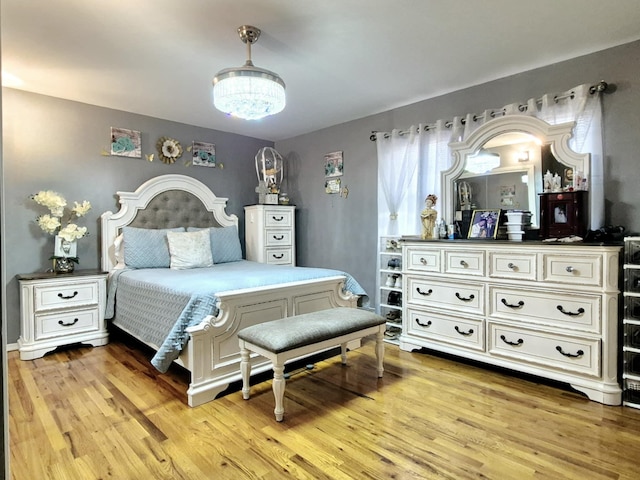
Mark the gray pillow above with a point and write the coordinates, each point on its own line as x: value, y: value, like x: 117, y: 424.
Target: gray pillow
x: 147, y: 247
x: 225, y: 244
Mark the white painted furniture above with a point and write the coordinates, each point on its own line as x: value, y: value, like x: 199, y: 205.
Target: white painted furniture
x: 270, y: 234
x: 300, y: 336
x: 547, y: 310
x: 60, y: 310
x: 390, y: 280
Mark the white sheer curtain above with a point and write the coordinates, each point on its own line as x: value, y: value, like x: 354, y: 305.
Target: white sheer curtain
x: 397, y: 165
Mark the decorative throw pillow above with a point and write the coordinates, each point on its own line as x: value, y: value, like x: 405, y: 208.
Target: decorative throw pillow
x: 147, y: 247
x: 189, y: 249
x: 225, y: 243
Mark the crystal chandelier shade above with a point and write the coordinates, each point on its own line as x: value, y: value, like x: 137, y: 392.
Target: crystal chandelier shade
x: 248, y: 92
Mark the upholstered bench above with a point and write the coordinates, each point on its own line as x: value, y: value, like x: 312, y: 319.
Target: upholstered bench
x: 302, y: 335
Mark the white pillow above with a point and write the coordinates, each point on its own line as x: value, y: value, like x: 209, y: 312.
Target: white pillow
x: 189, y: 249
x: 118, y: 247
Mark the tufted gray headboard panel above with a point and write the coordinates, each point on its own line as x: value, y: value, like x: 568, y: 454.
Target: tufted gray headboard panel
x: 174, y: 208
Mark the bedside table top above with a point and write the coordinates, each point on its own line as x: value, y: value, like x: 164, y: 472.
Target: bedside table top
x: 52, y: 275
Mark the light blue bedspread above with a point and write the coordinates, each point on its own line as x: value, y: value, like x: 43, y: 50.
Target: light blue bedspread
x: 158, y: 304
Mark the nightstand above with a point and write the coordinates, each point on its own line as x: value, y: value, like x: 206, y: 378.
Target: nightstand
x: 270, y: 234
x: 61, y: 309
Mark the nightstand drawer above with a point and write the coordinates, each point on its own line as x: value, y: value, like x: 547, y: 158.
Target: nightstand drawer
x: 276, y: 238
x: 278, y: 218
x: 66, y: 323
x: 279, y: 256
x: 48, y: 297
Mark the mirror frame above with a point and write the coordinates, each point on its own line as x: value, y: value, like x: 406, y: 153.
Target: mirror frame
x: 557, y: 136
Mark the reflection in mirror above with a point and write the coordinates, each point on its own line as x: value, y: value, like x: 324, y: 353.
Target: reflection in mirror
x: 501, y: 166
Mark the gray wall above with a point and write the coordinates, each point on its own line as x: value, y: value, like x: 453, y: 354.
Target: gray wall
x: 343, y: 233
x: 54, y: 144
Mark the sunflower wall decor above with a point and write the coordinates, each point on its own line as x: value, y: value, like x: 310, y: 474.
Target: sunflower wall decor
x: 169, y: 149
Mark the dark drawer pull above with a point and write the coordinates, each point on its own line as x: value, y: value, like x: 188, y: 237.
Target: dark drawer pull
x: 466, y: 334
x: 468, y: 299
x: 60, y: 322
x: 67, y: 297
x: 520, y: 304
x: 579, y: 353
x: 571, y: 314
x: 278, y: 219
x: 281, y: 237
x: 278, y: 257
x: 513, y: 344
x: 428, y: 324
x: 426, y: 294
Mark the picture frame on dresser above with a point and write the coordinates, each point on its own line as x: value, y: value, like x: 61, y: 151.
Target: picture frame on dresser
x: 484, y: 224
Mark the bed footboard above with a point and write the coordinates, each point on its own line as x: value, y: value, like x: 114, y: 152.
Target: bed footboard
x: 213, y: 353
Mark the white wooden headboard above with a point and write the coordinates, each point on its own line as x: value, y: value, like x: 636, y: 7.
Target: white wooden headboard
x: 164, y: 190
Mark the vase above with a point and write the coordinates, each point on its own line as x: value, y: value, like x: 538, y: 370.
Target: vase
x: 63, y: 265
x: 64, y: 255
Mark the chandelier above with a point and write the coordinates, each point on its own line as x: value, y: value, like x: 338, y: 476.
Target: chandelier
x: 248, y: 92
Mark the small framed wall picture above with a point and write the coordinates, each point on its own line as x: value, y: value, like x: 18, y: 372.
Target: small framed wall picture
x: 484, y: 224
x: 332, y: 185
x: 204, y: 154
x: 333, y: 164
x: 125, y: 143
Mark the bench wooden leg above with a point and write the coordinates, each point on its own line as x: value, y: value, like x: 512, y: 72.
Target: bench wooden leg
x: 380, y: 351
x: 343, y: 353
x: 245, y: 369
x: 278, y: 390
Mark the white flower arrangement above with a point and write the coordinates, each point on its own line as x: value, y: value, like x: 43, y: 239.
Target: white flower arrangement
x: 59, y: 220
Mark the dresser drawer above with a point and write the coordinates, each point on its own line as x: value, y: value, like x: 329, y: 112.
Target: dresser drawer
x: 66, y: 323
x: 279, y: 256
x: 48, y: 297
x: 463, y: 332
x: 548, y: 350
x: 276, y: 238
x: 577, y: 270
x: 457, y: 296
x: 581, y: 312
x: 511, y: 265
x: 423, y: 260
x: 278, y: 218
x: 465, y: 262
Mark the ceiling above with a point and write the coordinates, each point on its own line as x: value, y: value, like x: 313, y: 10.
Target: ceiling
x: 341, y: 60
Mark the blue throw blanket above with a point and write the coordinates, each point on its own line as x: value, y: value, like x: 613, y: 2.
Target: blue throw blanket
x: 158, y: 304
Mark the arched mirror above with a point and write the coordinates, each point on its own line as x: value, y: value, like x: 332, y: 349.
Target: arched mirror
x: 501, y: 166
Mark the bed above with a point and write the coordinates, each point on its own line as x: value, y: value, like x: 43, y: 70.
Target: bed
x: 190, y: 314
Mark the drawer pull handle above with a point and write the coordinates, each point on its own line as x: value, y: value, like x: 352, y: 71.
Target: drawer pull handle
x: 278, y: 219
x: 278, y: 257
x: 513, y: 344
x: 428, y: 324
x: 464, y: 264
x: 70, y: 324
x: 67, y: 297
x: 520, y: 304
x: 570, y: 269
x: 468, y: 299
x: 423, y: 260
x: 281, y: 237
x: 571, y: 314
x: 426, y: 294
x: 579, y: 353
x: 511, y: 266
x: 466, y: 334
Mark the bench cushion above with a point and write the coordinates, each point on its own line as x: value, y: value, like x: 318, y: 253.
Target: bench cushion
x: 309, y: 328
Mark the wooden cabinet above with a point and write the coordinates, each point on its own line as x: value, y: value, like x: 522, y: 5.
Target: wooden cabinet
x: 563, y: 214
x: 60, y: 310
x: 545, y: 309
x: 270, y: 234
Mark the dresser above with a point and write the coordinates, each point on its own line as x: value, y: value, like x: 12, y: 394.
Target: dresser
x: 61, y: 309
x: 270, y: 234
x: 549, y: 310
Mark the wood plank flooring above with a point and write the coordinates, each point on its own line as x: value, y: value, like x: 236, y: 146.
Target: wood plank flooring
x: 105, y: 413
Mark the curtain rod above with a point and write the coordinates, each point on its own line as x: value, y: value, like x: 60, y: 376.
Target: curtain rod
x: 597, y: 88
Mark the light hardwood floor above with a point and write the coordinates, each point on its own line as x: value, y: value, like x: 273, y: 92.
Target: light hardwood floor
x: 104, y: 413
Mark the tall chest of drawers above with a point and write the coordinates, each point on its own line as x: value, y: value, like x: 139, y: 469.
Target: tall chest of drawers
x: 543, y: 309
x: 270, y: 234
